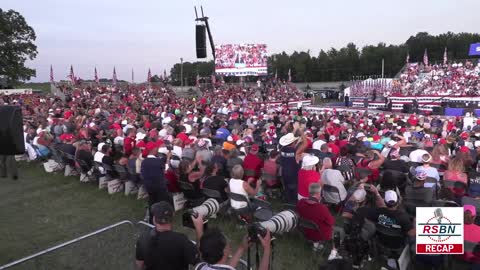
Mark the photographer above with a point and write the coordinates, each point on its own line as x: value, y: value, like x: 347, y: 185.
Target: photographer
x: 163, y: 249
x: 215, y: 251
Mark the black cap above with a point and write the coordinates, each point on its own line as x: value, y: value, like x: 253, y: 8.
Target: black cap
x: 162, y: 212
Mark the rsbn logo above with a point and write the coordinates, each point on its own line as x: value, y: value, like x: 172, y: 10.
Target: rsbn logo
x: 439, y: 230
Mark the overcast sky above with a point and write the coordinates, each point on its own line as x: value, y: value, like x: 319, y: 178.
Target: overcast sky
x: 154, y: 34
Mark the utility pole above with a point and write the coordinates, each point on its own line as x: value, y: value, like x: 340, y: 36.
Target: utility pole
x: 181, y: 72
x: 383, y: 67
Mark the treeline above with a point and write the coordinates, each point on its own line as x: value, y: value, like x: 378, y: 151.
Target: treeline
x: 350, y: 61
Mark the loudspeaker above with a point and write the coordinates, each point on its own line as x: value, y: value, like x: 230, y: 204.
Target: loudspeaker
x: 438, y: 110
x: 201, y: 40
x: 11, y: 131
x: 407, y: 108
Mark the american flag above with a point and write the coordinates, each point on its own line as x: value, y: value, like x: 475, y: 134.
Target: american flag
x: 425, y: 58
x: 114, y: 79
x: 51, y: 75
x: 149, y: 76
x: 214, y: 80
x: 407, y: 60
x: 96, y: 76
x: 445, y: 59
x: 289, y: 76
x: 72, y: 75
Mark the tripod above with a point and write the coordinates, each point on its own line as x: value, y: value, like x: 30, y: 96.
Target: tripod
x: 257, y: 255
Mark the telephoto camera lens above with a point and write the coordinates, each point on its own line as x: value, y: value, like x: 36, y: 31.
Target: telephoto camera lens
x: 207, y: 209
x: 282, y: 222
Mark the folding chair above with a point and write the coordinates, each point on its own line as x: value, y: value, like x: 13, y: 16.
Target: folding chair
x: 332, y: 189
x: 258, y: 209
x: 187, y: 188
x: 307, y: 225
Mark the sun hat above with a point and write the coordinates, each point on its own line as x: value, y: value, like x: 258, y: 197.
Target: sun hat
x: 287, y: 139
x: 309, y: 160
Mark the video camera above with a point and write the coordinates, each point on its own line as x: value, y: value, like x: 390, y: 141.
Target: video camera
x: 358, y: 232
x: 207, y: 209
x: 282, y: 222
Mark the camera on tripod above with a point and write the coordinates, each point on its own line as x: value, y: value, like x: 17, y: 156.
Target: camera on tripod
x: 356, y: 243
x: 207, y: 209
x: 282, y: 222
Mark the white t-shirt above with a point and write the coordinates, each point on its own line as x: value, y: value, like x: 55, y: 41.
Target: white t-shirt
x: 236, y: 186
x: 416, y: 156
x: 98, y: 156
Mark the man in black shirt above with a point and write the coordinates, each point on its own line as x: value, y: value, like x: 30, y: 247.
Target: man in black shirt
x: 163, y: 249
x: 390, y: 218
x: 395, y: 163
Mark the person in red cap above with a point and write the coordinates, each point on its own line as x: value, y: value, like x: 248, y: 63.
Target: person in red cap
x: 252, y: 164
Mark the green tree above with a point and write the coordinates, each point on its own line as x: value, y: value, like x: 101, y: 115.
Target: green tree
x: 16, y: 46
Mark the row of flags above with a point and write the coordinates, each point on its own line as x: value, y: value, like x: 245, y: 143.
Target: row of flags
x: 425, y: 57
x: 74, y: 79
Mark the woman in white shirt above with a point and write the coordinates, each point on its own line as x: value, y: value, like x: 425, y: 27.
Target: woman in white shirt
x: 238, y: 186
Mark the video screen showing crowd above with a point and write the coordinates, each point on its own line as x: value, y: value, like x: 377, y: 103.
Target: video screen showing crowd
x: 227, y: 153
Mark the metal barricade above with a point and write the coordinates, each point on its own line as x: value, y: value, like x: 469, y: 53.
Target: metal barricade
x: 109, y: 247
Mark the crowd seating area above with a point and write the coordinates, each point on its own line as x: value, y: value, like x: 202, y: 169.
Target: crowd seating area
x: 148, y: 142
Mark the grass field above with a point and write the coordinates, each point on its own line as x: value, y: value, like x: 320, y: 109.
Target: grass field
x: 41, y: 210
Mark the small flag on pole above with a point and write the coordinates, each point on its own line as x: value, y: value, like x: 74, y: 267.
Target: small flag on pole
x: 214, y: 80
x: 425, y: 58
x: 96, y: 76
x: 72, y: 75
x: 149, y: 76
x: 445, y: 60
x: 51, y: 75
x: 289, y: 76
x: 114, y: 79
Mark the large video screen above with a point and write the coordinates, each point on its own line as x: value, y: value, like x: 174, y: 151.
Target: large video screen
x: 241, y: 60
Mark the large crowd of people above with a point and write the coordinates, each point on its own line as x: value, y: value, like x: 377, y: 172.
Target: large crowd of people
x: 368, y: 167
x: 454, y: 79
